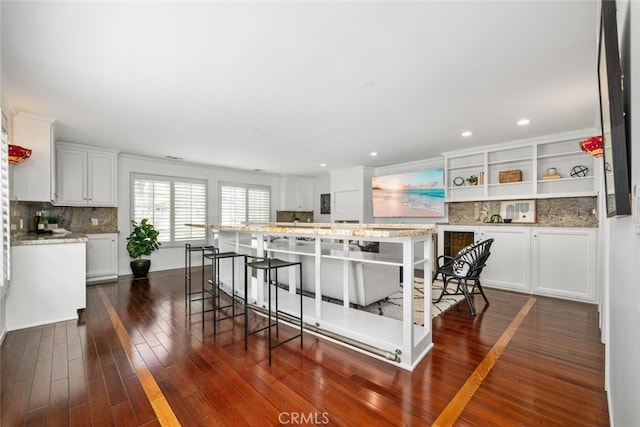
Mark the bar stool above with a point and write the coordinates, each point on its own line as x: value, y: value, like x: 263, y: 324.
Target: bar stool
x: 188, y: 292
x: 269, y: 264
x: 216, y: 286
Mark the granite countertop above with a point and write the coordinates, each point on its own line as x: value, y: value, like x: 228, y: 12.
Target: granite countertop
x: 20, y: 239
x: 332, y: 229
x: 512, y: 224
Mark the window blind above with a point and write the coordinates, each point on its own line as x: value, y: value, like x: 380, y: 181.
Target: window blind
x: 169, y: 203
x: 241, y: 204
x: 190, y: 208
x: 4, y: 205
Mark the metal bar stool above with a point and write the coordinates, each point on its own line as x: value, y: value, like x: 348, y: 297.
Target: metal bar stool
x: 188, y: 292
x: 216, y: 286
x: 269, y: 264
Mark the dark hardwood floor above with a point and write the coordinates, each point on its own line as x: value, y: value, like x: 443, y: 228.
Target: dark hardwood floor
x: 83, y: 373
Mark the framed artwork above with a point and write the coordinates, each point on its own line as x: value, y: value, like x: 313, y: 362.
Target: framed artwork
x: 325, y: 203
x: 412, y: 194
x: 519, y: 211
x: 616, y: 144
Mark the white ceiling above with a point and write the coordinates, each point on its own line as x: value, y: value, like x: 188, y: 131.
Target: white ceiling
x: 285, y: 86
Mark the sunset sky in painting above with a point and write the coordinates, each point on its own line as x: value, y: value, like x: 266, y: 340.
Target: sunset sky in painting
x: 430, y: 178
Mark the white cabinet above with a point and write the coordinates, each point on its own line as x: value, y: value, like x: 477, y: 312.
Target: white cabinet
x: 47, y: 284
x: 553, y: 261
x: 563, y: 262
x: 532, y: 159
x: 32, y: 179
x: 102, y: 257
x: 297, y: 194
x: 86, y: 176
x: 509, y: 265
x: 351, y: 195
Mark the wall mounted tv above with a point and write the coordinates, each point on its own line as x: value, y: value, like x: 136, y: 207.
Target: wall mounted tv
x: 413, y: 194
x: 614, y: 135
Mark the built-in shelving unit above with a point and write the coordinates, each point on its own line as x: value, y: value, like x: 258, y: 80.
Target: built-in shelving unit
x: 533, y: 159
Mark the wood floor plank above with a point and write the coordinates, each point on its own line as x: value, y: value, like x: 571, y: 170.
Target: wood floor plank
x: 41, y: 385
x: 80, y: 416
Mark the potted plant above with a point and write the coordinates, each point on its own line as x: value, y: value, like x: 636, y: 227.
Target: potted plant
x: 473, y: 180
x: 52, y: 221
x: 142, y: 241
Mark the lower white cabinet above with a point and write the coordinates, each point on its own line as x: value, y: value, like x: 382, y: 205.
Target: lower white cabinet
x: 47, y: 284
x: 563, y: 263
x: 552, y: 261
x: 102, y: 257
x: 509, y: 265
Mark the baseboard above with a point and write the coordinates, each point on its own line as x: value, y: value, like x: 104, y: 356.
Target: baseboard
x: 3, y: 334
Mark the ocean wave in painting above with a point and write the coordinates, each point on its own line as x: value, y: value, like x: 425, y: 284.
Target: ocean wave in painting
x: 409, y: 202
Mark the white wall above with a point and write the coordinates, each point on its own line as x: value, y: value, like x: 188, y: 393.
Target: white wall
x: 623, y: 349
x: 170, y: 258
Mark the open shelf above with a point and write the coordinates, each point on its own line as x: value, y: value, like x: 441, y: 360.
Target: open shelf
x: 533, y: 159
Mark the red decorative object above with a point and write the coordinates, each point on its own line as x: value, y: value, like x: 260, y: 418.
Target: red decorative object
x: 592, y: 146
x: 18, y: 154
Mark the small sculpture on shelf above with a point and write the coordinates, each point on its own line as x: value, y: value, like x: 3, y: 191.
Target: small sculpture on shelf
x: 552, y: 173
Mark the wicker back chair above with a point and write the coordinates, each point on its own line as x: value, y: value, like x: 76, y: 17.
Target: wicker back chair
x: 464, y: 269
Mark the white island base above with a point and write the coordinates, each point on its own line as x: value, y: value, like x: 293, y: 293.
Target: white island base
x: 48, y: 284
x: 371, y: 334
x: 399, y: 342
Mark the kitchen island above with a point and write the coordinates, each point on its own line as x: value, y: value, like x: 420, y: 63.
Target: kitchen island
x: 395, y: 341
x: 47, y: 282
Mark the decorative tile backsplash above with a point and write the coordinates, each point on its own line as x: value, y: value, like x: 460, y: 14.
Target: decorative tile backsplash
x: 560, y: 212
x: 77, y: 219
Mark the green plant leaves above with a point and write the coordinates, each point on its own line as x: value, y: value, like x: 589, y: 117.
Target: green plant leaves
x: 143, y: 239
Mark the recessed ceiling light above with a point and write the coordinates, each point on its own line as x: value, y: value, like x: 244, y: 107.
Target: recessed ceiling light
x: 466, y: 133
x: 523, y: 122
x: 324, y: 165
x: 374, y: 153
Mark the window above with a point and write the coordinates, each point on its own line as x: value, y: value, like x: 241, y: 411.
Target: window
x: 242, y: 204
x: 4, y: 204
x: 169, y: 203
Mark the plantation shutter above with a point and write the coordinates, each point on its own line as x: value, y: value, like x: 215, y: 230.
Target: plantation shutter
x: 190, y: 208
x: 259, y: 205
x: 152, y: 200
x: 233, y: 209
x: 170, y: 203
x: 4, y: 195
x: 241, y: 204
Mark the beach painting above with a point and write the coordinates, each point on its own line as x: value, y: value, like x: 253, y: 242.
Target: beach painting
x: 413, y: 194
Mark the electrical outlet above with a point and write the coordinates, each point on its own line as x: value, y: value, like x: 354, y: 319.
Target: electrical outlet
x: 94, y: 221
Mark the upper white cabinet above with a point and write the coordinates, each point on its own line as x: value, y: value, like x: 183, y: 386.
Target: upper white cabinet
x: 297, y: 194
x: 86, y: 176
x: 351, y: 195
x: 32, y: 179
x: 532, y: 164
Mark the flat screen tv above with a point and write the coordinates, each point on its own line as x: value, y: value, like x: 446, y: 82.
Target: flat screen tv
x: 614, y: 135
x: 413, y: 194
